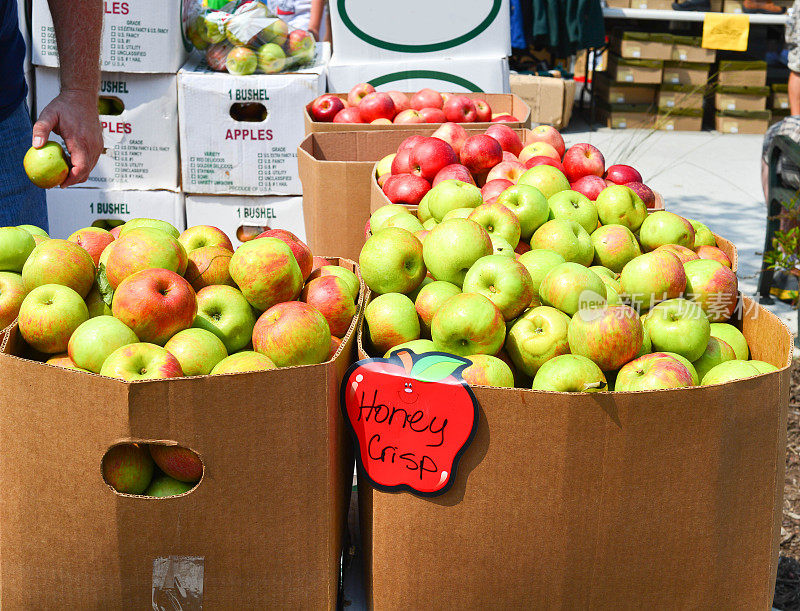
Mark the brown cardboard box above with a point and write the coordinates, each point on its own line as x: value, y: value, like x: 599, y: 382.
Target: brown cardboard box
x: 743, y: 122
x: 680, y: 119
x: 619, y: 3
x: 623, y: 93
x: 668, y: 499
x: 600, y: 63
x: 642, y: 45
x: 643, y: 71
x: 742, y: 73
x: 689, y: 49
x: 550, y: 99
x: 778, y: 116
x: 685, y: 73
x: 780, y: 96
x: 716, y: 6
x: 657, y: 5
x: 681, y: 96
x: 263, y: 528
x: 499, y: 102
x: 741, y: 98
x: 628, y: 116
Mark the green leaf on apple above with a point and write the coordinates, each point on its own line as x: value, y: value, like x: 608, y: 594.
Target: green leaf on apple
x: 437, y: 367
x: 103, y: 285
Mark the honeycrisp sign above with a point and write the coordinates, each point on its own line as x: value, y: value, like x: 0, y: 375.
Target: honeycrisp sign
x: 412, y: 416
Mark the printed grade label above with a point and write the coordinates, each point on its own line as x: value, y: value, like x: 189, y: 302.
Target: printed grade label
x: 275, y: 171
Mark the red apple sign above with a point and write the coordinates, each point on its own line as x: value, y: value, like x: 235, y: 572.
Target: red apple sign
x: 412, y: 417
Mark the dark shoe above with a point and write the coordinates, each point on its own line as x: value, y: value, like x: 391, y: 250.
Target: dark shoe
x: 692, y: 5
x: 762, y: 7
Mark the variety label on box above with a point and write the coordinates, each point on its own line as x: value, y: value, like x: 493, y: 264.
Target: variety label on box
x: 139, y: 115
x: 140, y: 36
x: 239, y: 134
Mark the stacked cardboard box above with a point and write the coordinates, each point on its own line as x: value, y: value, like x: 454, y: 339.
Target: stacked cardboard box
x: 779, y: 102
x: 741, y: 98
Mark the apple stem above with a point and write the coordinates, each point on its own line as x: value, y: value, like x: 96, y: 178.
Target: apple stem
x: 589, y: 385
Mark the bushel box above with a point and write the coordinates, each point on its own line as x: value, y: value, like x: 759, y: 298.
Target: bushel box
x: 263, y: 528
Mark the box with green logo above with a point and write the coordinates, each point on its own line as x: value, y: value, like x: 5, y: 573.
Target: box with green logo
x: 780, y: 96
x: 743, y: 122
x: 742, y: 73
x: 641, y: 71
x: 681, y: 96
x: 741, y: 98
x: 679, y: 119
x: 613, y: 92
x: 689, y: 49
x: 642, y: 45
x: 627, y: 116
x: 685, y: 73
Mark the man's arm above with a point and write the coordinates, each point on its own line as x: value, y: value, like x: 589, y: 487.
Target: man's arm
x: 73, y: 113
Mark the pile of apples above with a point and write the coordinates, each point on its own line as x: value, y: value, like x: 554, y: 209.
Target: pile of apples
x: 497, y: 160
x: 365, y: 105
x: 542, y: 287
x: 144, y: 301
x: 153, y: 469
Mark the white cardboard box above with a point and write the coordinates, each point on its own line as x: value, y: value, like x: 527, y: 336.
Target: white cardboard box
x: 384, y: 30
x: 487, y: 74
x: 74, y: 208
x: 138, y: 36
x: 232, y: 212
x: 222, y: 155
x: 141, y: 142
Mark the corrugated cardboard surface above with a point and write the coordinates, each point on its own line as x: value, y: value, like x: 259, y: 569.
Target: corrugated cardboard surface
x: 266, y: 520
x: 741, y: 125
x: 680, y: 97
x: 684, y: 73
x: 668, y: 121
x: 624, y: 93
x: 642, y: 49
x: 740, y: 101
x: 665, y: 500
x: 742, y: 78
x: 632, y: 71
x: 499, y: 102
x: 550, y: 99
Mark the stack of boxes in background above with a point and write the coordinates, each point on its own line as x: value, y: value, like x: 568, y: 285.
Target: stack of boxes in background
x: 138, y: 174
x: 422, y: 44
x: 779, y: 102
x: 741, y: 97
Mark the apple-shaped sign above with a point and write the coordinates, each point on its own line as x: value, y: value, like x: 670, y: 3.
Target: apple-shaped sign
x: 411, y: 416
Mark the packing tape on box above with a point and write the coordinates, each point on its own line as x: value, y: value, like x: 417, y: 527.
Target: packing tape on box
x: 178, y: 583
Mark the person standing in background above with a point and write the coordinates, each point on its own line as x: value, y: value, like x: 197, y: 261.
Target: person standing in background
x: 72, y: 114
x: 301, y: 14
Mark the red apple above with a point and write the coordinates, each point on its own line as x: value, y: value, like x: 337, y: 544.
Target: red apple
x: 481, y: 153
x: 144, y: 248
x: 155, y: 304
x: 433, y: 115
x: 115, y: 231
x: 179, y: 463
x: 348, y: 115
x: 335, y: 343
x: 509, y: 156
x: 591, y: 186
x: 456, y: 171
x: 381, y: 121
x: 504, y: 118
x: 300, y: 250
x: 401, y: 163
x: 93, y: 240
x: 548, y: 134
x: 267, y: 272
x: 334, y: 300
x: 493, y: 188
x: 538, y: 149
x: 208, y: 266
x: 408, y: 116
x: 460, y: 109
x: 453, y: 134
x: 204, y: 235
x: 644, y: 192
x: 581, y: 160
x: 509, y: 139
x: 430, y: 156
x: 406, y: 189
x: 292, y: 333
x: 713, y: 253
x: 376, y: 106
x: 325, y: 108
x: 358, y: 93
x: 483, y: 109
x: 622, y: 174
x: 409, y: 143
x: 426, y: 98
x: 542, y: 160
x: 400, y: 99
x: 508, y: 170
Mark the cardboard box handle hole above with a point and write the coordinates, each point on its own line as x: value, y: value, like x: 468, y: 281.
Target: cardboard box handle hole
x: 155, y: 469
x: 109, y: 106
x: 245, y: 233
x: 248, y: 112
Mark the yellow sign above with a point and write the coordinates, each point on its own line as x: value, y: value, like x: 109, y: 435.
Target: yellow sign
x: 726, y: 32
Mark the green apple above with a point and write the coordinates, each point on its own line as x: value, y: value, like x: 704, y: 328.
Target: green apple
x: 528, y: 204
x: 164, y: 226
x: 574, y: 206
x: 15, y: 246
x: 569, y: 373
x: 680, y: 326
x: 702, y: 235
x: 547, y: 179
x: 763, y: 367
x: 95, y: 304
x: 59, y: 262
x: 49, y: 315
x: 408, y: 221
x: 451, y: 194
x: 384, y: 166
x: 271, y: 58
x: 225, y: 312
x: 538, y: 262
x: 429, y: 299
x: 612, y: 290
x: 614, y: 246
x: 685, y: 362
x: 241, y: 61
x: 717, y: 351
x: 502, y: 247
x: 391, y: 261
x: 452, y: 247
x: 391, y: 320
x: 570, y: 286
x: 619, y: 205
x: 384, y: 213
x: 128, y: 468
x: 430, y: 224
x: 34, y: 230
x: 94, y: 340
x: 504, y: 281
x: 47, y: 167
x: 713, y: 287
x: 652, y: 277
x: 468, y: 324
x: 609, y: 335
x: 459, y: 213
x: 163, y: 486
x: 412, y: 295
x: 243, y: 362
x: 498, y: 221
x: 652, y: 372
x: 604, y: 272
x: 488, y: 370
x: 662, y: 227
x: 733, y: 337
x: 12, y: 293
x: 423, y: 210
x: 647, y: 345
x: 197, y: 350
x: 536, y: 337
x: 417, y: 346
x: 729, y: 371
x: 567, y: 238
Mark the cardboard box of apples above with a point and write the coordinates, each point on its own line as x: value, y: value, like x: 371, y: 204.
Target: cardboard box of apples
x: 632, y: 402
x: 180, y: 369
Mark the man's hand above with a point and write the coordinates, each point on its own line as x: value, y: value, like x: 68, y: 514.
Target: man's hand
x: 73, y: 116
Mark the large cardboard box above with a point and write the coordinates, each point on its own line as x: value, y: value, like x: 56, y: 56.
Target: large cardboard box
x: 642, y: 71
x: 223, y: 151
x: 375, y: 30
x: 499, y: 103
x: 742, y: 73
x: 741, y: 98
x: 550, y: 99
x: 138, y: 36
x: 628, y: 116
x: 71, y: 209
x: 689, y: 49
x: 642, y: 45
x: 668, y: 499
x: 780, y: 96
x: 476, y: 74
x: 623, y: 93
x: 680, y: 119
x: 685, y: 73
x: 263, y: 528
x: 657, y: 5
x: 141, y: 140
x: 681, y: 96
x: 243, y: 217
x: 743, y: 121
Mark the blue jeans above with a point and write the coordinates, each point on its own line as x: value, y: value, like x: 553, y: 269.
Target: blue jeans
x: 21, y: 202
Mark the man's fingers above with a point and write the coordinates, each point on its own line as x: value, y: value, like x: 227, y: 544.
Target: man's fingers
x: 81, y: 164
x: 42, y: 128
